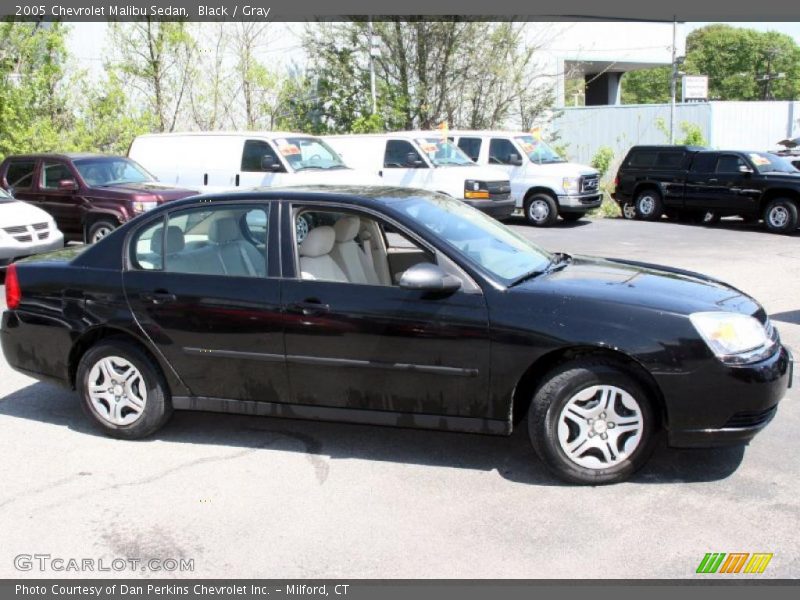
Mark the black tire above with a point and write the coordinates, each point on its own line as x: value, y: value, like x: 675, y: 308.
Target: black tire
x: 541, y: 210
x: 157, y: 405
x: 780, y: 216
x: 553, y: 395
x: 571, y: 217
x: 649, y: 205
x: 628, y: 210
x: 99, y: 229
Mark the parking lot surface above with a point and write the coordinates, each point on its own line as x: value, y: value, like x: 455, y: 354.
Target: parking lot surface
x: 262, y: 497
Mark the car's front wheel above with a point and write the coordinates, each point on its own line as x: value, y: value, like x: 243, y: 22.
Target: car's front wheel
x: 781, y: 216
x: 591, y: 422
x: 541, y: 210
x: 122, y: 390
x: 99, y: 230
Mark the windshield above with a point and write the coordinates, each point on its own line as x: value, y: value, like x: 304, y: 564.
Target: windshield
x: 308, y: 153
x: 769, y: 163
x: 538, y: 151
x: 5, y: 196
x: 486, y: 242
x: 443, y: 153
x: 103, y: 172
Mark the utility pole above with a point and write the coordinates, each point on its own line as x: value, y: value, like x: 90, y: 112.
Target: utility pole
x: 373, y: 51
x: 766, y: 79
x: 673, y: 81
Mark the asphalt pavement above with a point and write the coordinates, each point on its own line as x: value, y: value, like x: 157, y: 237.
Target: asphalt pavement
x: 262, y: 497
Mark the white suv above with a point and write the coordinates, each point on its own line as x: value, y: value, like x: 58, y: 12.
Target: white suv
x: 25, y: 230
x: 543, y: 185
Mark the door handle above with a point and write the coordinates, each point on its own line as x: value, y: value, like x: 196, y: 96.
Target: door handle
x: 309, y: 307
x: 159, y: 297
x: 713, y: 180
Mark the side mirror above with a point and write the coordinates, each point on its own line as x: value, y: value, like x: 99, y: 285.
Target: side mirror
x: 413, y: 160
x: 67, y: 185
x: 515, y: 159
x: 745, y: 169
x: 428, y: 277
x: 268, y: 163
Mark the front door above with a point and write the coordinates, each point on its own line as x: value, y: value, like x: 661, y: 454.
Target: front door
x: 403, y: 166
x: 63, y: 204
x: 378, y: 346
x: 204, y: 288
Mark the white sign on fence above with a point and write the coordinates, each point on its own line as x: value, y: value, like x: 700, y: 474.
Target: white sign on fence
x: 694, y: 88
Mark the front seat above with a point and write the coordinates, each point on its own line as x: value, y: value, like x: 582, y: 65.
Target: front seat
x: 315, y: 256
x: 349, y: 256
x: 235, y: 255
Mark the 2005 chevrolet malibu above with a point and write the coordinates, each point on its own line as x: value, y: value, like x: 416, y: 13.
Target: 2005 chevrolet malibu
x: 394, y: 307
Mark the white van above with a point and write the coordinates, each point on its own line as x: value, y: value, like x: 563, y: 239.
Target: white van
x: 220, y: 161
x: 543, y: 185
x: 427, y: 160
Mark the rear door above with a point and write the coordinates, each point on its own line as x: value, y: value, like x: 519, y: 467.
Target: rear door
x: 203, y: 284
x: 701, y: 181
x: 20, y: 179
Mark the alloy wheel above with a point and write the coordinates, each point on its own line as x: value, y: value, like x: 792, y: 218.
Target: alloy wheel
x: 647, y: 205
x: 100, y: 233
x: 117, y: 390
x: 629, y: 210
x: 778, y: 216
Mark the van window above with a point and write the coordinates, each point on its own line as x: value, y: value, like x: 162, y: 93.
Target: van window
x: 471, y: 147
x: 253, y: 154
x: 500, y: 151
x: 20, y: 174
x: 397, y: 152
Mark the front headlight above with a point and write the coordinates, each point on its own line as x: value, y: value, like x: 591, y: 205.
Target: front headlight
x: 571, y: 185
x: 734, y: 338
x: 140, y: 207
x: 476, y: 190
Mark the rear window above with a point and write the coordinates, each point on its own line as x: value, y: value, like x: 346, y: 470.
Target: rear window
x: 665, y: 159
x: 642, y: 159
x: 669, y: 160
x: 20, y: 174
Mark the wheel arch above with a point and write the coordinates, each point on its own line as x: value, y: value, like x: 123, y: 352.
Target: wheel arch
x: 774, y: 193
x: 540, y: 189
x: 93, y: 216
x: 536, y: 372
x: 646, y: 185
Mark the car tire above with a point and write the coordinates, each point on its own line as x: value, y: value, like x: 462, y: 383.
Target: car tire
x: 541, y: 210
x: 122, y: 390
x: 780, y: 216
x: 649, y: 206
x: 592, y: 423
x: 628, y: 210
x: 99, y: 229
x: 572, y: 217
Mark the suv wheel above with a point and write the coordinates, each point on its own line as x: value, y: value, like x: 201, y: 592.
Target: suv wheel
x: 780, y: 216
x: 99, y: 230
x: 629, y: 211
x: 591, y: 423
x: 648, y: 205
x: 541, y: 210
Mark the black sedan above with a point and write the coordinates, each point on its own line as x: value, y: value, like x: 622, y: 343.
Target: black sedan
x: 393, y: 307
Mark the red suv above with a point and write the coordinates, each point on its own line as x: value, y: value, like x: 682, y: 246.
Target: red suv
x: 88, y: 195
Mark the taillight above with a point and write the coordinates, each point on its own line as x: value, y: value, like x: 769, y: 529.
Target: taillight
x: 13, y: 293
x: 616, y: 181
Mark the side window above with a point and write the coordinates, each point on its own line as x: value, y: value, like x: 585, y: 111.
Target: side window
x: 669, y: 160
x: 223, y: 241
x: 704, y: 163
x: 53, y: 172
x: 642, y: 159
x: 20, y: 174
x: 729, y: 163
x: 256, y: 154
x: 471, y: 147
x: 351, y: 248
x: 397, y: 152
x: 500, y: 151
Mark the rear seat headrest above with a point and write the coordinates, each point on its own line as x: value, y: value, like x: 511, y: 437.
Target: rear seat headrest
x: 319, y: 241
x: 175, y: 240
x: 347, y: 228
x: 224, y: 230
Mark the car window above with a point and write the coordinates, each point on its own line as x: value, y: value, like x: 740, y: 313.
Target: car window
x: 105, y: 171
x: 255, y: 151
x: 729, y: 163
x: 704, y: 163
x: 19, y: 175
x: 471, y: 146
x: 500, y: 151
x: 223, y: 241
x: 53, y: 172
x: 642, y: 159
x: 669, y: 160
x: 397, y: 152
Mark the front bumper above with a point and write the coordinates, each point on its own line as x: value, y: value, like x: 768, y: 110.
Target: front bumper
x: 11, y: 250
x: 499, y: 209
x: 743, y: 402
x: 579, y: 202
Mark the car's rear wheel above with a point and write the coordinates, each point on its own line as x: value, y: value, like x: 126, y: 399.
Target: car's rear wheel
x: 649, y: 205
x: 541, y: 210
x: 591, y: 422
x: 99, y: 229
x: 123, y: 390
x: 780, y: 216
x: 572, y: 217
x: 629, y: 211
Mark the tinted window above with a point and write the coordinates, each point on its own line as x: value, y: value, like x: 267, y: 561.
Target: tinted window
x: 396, y: 154
x: 53, y: 172
x: 704, y: 163
x: 471, y: 147
x: 669, y: 160
x: 729, y: 163
x: 500, y: 151
x: 253, y: 153
x: 642, y: 159
x: 20, y: 173
x: 222, y: 241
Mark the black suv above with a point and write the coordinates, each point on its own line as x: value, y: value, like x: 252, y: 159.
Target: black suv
x: 704, y: 185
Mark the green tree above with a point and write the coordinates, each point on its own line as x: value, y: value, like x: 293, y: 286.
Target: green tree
x: 647, y: 86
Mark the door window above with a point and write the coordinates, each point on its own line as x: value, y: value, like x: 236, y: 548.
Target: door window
x: 397, y: 152
x: 20, y: 174
x: 254, y: 153
x: 729, y: 163
x: 704, y: 163
x: 471, y: 146
x: 500, y: 151
x: 53, y: 172
x: 226, y: 240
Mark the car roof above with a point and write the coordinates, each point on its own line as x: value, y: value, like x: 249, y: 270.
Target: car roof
x: 243, y: 134
x: 669, y: 147
x: 487, y: 132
